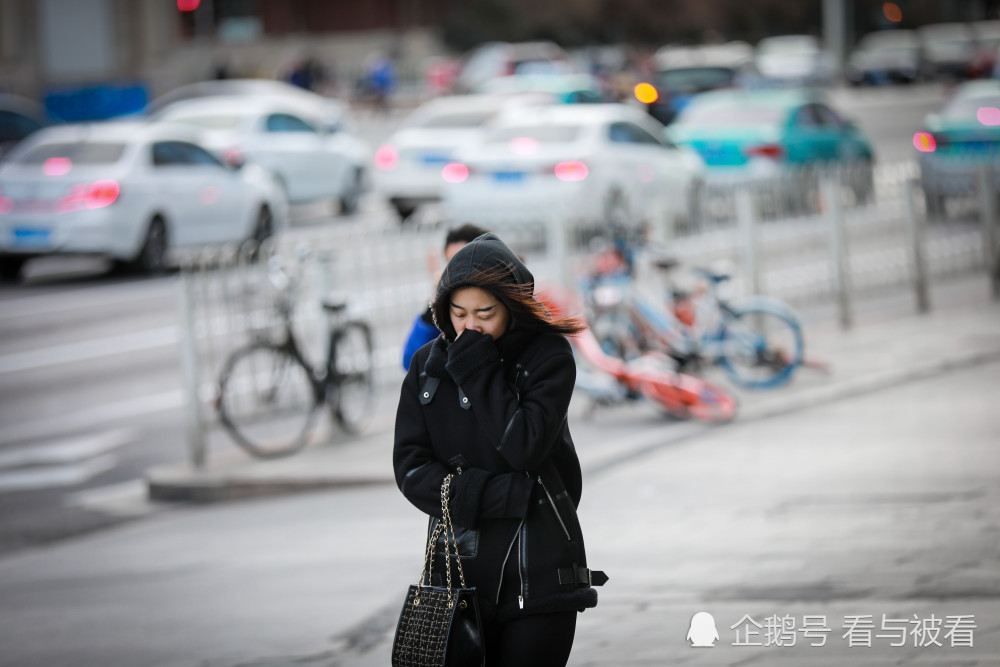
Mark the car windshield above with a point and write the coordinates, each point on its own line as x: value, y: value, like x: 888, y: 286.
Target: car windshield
x: 969, y: 107
x: 543, y: 134
x: 731, y: 115
x: 694, y: 78
x: 206, y: 121
x: 455, y: 119
x: 790, y: 46
x: 83, y: 152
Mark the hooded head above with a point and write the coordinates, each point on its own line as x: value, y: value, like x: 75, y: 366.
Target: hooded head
x: 489, y: 264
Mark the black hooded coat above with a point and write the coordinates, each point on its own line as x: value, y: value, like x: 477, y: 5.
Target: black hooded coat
x: 495, y: 410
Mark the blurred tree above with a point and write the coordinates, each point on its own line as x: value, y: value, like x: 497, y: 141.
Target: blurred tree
x: 483, y: 21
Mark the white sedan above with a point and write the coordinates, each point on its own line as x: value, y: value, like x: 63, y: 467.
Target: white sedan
x: 309, y: 161
x: 408, y: 165
x: 587, y: 163
x: 131, y: 192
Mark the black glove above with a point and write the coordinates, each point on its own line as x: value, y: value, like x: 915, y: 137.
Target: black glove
x: 470, y: 353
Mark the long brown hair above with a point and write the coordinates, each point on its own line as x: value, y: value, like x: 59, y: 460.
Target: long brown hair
x: 525, y: 311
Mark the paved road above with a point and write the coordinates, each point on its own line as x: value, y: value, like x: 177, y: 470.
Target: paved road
x: 887, y: 503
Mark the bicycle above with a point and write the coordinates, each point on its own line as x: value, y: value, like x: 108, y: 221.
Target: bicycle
x: 269, y: 394
x: 649, y: 376
x: 758, y: 340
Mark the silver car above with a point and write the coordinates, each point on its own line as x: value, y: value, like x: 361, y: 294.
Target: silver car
x: 132, y: 192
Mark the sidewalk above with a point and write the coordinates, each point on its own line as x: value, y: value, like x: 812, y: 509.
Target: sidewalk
x: 890, y: 344
x: 872, y: 490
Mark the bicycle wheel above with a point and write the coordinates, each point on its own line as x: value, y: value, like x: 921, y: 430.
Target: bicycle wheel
x: 267, y: 400
x: 352, y: 376
x: 761, y: 347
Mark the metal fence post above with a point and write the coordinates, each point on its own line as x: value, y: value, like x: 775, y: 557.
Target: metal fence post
x: 746, y: 220
x: 190, y: 371
x: 830, y: 192
x: 988, y: 207
x: 557, y: 246
x: 915, y: 228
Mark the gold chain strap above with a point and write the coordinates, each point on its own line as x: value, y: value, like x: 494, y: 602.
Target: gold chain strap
x: 446, y: 526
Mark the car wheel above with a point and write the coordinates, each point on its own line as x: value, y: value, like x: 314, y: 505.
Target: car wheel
x: 264, y: 228
x: 350, y: 199
x: 935, y: 204
x: 404, y: 211
x: 152, y: 258
x: 10, y: 269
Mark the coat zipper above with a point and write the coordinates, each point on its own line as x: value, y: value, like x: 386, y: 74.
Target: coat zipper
x: 552, y: 502
x: 520, y: 565
x: 503, y: 567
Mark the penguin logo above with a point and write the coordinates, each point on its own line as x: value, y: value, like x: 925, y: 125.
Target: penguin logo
x: 702, y: 633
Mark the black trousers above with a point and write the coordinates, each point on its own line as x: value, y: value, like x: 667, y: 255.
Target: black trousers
x: 543, y: 640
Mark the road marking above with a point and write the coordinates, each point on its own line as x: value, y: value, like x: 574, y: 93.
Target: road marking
x: 28, y: 479
x: 75, y: 299
x: 67, y: 451
x: 101, y: 414
x: 90, y: 349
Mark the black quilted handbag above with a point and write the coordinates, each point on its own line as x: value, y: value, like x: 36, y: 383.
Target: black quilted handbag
x: 439, y: 626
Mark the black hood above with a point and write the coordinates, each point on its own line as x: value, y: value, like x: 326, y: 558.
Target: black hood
x: 486, y: 254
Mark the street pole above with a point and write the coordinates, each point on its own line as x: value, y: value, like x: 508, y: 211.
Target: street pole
x: 830, y: 191
x: 835, y: 34
x: 190, y: 370
x: 746, y: 218
x: 916, y: 233
x: 988, y: 208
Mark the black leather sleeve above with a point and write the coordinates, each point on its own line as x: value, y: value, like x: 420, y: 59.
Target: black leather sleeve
x: 475, y: 494
x: 418, y: 473
x: 524, y: 427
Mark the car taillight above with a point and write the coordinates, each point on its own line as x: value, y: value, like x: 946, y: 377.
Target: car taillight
x: 924, y: 142
x: 772, y: 151
x: 102, y: 193
x: 571, y: 170
x: 455, y: 172
x: 89, y: 196
x: 386, y: 157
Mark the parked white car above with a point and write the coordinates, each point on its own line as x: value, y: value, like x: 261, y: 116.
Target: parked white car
x: 795, y: 60
x: 408, y: 165
x: 131, y: 192
x: 331, y: 113
x: 589, y: 163
x: 284, y: 137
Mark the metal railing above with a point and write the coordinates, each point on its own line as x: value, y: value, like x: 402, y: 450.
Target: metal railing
x: 827, y: 245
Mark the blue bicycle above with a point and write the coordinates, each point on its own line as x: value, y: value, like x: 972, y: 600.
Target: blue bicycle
x: 757, y: 340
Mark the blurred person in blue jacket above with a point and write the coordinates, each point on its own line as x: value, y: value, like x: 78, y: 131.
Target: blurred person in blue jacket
x: 423, y: 330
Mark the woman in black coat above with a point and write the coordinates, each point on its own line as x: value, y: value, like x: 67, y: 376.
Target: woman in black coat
x: 487, y: 400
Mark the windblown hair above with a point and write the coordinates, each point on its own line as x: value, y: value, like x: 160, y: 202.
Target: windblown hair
x: 519, y: 299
